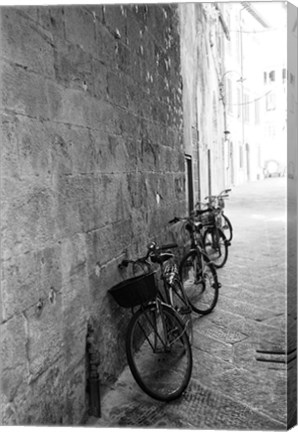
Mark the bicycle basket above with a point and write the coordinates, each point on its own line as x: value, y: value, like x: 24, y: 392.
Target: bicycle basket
x: 207, y: 219
x: 221, y: 203
x: 135, y: 291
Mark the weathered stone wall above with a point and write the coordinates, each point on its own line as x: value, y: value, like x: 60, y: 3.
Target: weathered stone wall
x: 92, y: 167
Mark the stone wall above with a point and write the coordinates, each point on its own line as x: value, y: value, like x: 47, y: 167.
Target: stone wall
x: 92, y: 167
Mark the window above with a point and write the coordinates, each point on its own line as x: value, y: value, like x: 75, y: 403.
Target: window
x: 272, y: 76
x: 271, y: 131
x: 270, y: 101
x: 246, y: 107
x: 265, y: 77
x: 257, y: 111
x: 240, y: 156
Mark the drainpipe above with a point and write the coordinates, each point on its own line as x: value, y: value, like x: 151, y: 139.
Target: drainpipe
x: 241, y: 80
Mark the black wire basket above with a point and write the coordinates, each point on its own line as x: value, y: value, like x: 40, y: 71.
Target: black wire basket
x: 207, y: 219
x: 135, y: 291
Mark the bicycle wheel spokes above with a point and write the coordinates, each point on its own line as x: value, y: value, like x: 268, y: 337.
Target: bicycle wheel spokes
x: 180, y: 302
x: 159, y: 357
x: 200, y: 283
x: 216, y: 247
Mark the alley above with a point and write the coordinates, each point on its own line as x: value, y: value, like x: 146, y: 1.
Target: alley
x: 239, y: 378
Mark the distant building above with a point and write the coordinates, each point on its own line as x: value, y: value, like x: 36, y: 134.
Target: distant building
x: 253, y: 88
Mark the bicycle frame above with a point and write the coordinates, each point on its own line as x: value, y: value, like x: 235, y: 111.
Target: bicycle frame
x: 158, y: 337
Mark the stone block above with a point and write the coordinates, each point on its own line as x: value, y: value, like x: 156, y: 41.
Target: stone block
x: 26, y: 44
x: 73, y: 67
x: 24, y: 92
x: 29, y: 220
x: 28, y: 277
x: 74, y: 398
x: 80, y: 27
x: 129, y: 125
x: 107, y: 242
x: 75, y: 299
x: 117, y: 89
x: 106, y: 45
x: 75, y: 107
x: 96, y: 11
x: 123, y: 58
x: 45, y: 335
x: 30, y: 12
x: 115, y: 21
x: 134, y: 33
x: 9, y: 148
x: 14, y: 360
x: 75, y: 205
x: 73, y: 256
x: 41, y: 403
x: 71, y: 150
x: 110, y: 324
x: 27, y: 141
x: 100, y: 79
x: 115, y: 198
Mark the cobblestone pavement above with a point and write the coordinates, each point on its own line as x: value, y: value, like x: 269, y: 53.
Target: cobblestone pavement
x: 239, y: 376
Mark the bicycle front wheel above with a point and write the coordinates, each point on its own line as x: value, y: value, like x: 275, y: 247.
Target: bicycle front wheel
x: 200, y: 282
x: 227, y: 227
x: 216, y: 246
x: 158, y: 352
x: 177, y: 297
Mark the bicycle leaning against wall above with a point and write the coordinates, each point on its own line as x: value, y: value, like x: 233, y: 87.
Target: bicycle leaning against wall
x: 158, y: 348
x: 214, y: 240
x: 197, y: 272
x: 217, y: 202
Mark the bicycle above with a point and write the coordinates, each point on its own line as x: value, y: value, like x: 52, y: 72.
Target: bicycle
x: 158, y: 348
x: 214, y: 240
x: 218, y: 202
x: 197, y: 272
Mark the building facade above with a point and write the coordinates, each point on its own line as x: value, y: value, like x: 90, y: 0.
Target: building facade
x: 254, y: 89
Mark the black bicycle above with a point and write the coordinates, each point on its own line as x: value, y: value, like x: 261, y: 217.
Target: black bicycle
x: 197, y: 272
x: 217, y: 202
x: 157, y: 343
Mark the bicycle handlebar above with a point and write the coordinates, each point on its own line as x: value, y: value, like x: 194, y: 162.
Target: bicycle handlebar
x: 153, y: 250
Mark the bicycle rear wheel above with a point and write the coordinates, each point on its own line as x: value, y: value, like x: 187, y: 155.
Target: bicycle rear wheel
x: 158, y: 352
x: 216, y: 246
x: 200, y: 282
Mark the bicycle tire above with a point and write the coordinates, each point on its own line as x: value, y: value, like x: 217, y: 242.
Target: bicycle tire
x: 163, y: 373
x: 218, y: 255
x: 227, y: 228
x: 200, y: 283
